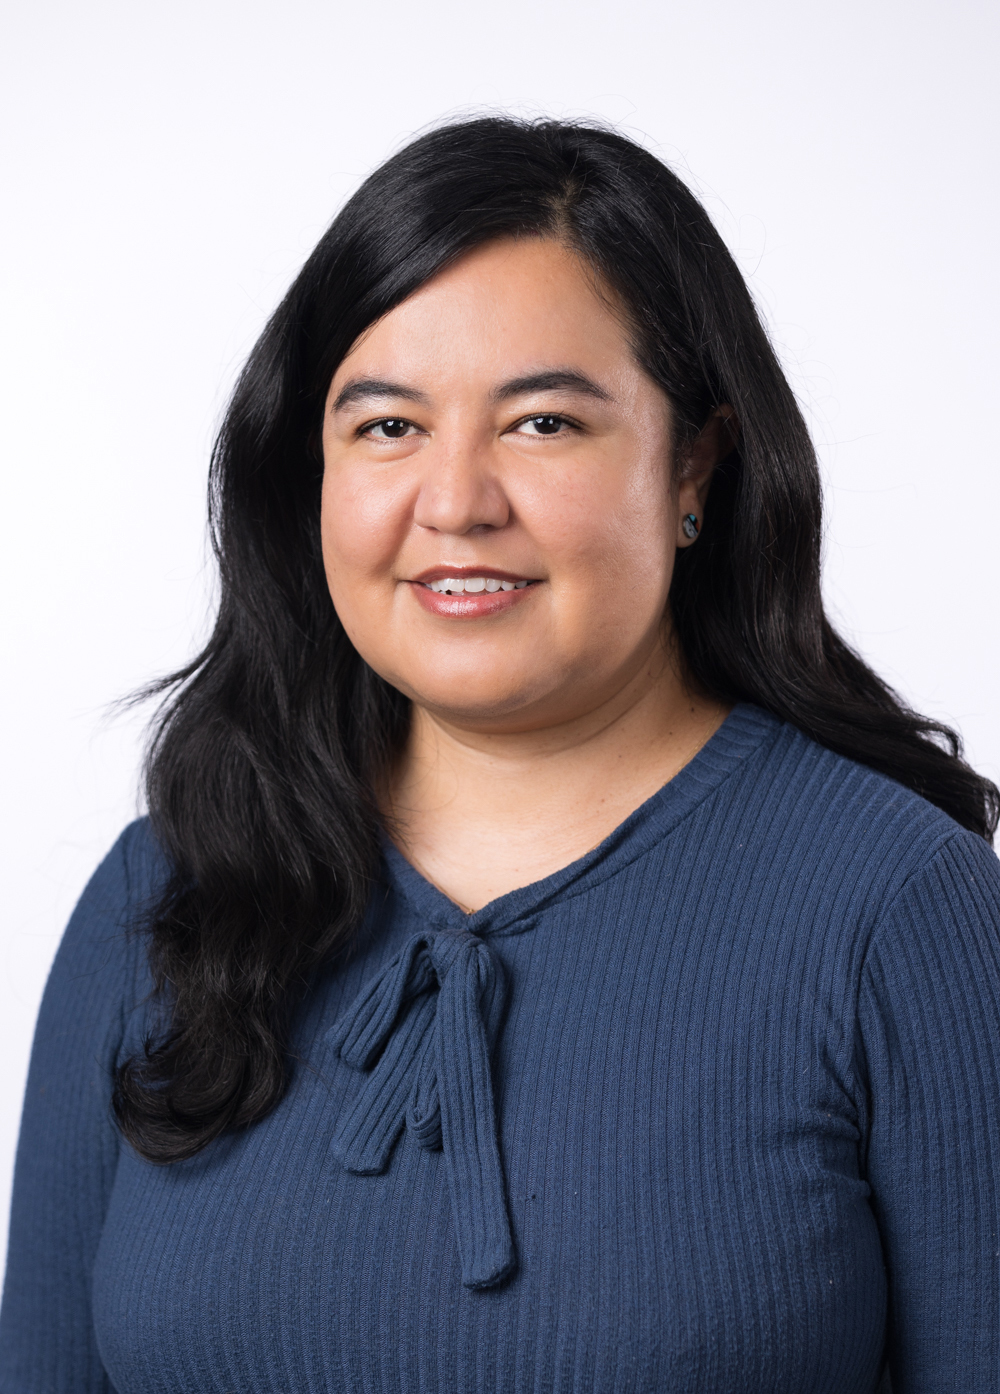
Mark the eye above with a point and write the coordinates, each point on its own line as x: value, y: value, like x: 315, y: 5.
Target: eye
x: 545, y: 425
x: 389, y: 428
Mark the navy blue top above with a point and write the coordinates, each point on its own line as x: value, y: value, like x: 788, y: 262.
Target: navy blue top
x: 713, y: 1109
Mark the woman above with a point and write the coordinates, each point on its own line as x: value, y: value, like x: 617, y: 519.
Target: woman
x: 553, y: 960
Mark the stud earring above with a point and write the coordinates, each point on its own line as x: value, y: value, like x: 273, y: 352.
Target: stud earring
x: 691, y: 525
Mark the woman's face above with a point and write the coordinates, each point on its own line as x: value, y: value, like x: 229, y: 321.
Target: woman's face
x: 495, y: 431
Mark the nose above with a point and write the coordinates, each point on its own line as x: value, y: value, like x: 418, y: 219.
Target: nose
x: 460, y: 491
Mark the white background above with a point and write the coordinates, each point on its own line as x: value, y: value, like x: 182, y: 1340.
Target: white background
x: 167, y: 168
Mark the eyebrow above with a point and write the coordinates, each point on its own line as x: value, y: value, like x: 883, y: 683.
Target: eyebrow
x: 554, y: 380
x: 364, y: 389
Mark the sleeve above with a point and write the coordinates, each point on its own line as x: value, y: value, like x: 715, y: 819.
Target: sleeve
x: 68, y: 1146
x: 929, y: 1016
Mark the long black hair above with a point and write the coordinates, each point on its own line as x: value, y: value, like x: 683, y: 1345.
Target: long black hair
x: 262, y: 763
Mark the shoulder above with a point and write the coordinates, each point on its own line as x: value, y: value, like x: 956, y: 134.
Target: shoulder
x: 944, y: 921
x: 833, y: 841
x: 929, y: 1002
x: 124, y: 885
x: 103, y: 952
x: 821, y: 809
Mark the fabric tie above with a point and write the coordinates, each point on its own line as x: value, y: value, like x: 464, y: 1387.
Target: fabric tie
x: 423, y: 1030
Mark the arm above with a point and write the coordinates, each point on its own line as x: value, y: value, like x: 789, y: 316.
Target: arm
x: 929, y: 1015
x: 68, y: 1146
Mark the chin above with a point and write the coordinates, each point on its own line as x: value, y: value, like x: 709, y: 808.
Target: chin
x: 481, y: 701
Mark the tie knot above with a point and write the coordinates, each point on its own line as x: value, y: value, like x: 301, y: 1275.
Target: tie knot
x: 422, y: 1030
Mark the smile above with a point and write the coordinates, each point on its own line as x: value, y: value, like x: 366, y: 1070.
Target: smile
x: 471, y: 596
x: 472, y: 585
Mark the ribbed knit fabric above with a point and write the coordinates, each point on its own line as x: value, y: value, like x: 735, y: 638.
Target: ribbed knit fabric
x: 714, y: 1110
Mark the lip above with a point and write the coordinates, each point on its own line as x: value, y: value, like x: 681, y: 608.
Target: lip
x: 468, y: 607
x: 439, y: 573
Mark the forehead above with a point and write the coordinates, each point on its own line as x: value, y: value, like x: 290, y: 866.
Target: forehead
x: 509, y: 307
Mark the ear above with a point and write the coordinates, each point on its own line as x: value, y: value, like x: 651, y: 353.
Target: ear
x: 716, y: 439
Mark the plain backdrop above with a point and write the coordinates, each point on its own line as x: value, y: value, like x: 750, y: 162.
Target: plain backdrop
x: 167, y: 168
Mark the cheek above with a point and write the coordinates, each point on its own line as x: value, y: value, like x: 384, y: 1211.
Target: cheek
x: 362, y: 522
x: 363, y: 526
x: 612, y: 524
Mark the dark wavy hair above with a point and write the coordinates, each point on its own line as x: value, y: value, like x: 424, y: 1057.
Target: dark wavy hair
x: 263, y: 759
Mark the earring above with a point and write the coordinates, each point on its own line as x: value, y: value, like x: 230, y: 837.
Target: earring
x: 691, y: 525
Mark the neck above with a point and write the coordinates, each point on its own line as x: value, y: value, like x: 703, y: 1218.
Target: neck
x: 481, y: 813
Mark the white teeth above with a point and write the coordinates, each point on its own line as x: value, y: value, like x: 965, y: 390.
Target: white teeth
x: 455, y: 585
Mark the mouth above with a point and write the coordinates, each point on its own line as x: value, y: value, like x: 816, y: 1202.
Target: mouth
x: 467, y: 592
